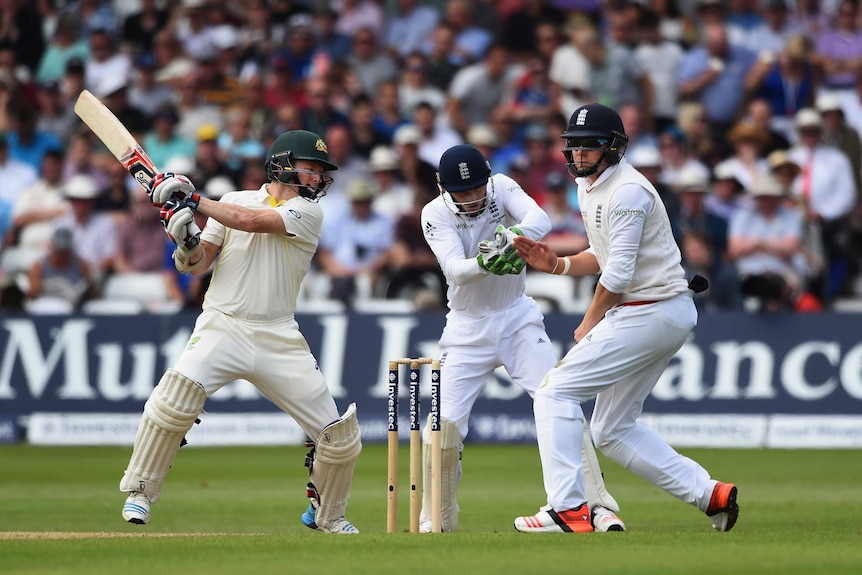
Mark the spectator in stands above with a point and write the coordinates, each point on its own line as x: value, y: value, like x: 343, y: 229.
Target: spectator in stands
x: 65, y: 45
x: 141, y: 27
x: 105, y: 60
x: 141, y: 239
x: 332, y: 45
x: 531, y: 97
x: 26, y: 143
x: 193, y: 112
x: 145, y: 93
x: 236, y: 143
x: 542, y: 158
x: 478, y: 89
x: 470, y: 41
x: 394, y: 198
x: 368, y: 62
x: 851, y: 105
x: 570, y: 70
x: 747, y: 159
x: 320, y: 115
x: 114, y: 93
x: 838, y: 134
x: 215, y: 83
x: 59, y: 281
x: 114, y: 197
x: 568, y: 236
x: 441, y: 70
x: 413, y: 271
x: 14, y: 174
x: 765, y: 33
x: 786, y: 81
x: 414, y: 86
x: 692, y: 189
x: 40, y: 204
x: 410, y: 27
x: 838, y: 49
x: 363, y: 132
x: 406, y: 142
x: 354, y: 245
x: 55, y: 117
x: 163, y: 142
x: 356, y: 14
x: 727, y: 195
x: 712, y: 73
x: 520, y: 28
x: 484, y: 138
x: 299, y: 49
x: 764, y: 242
x: 698, y: 257
x: 387, y: 109
x: 94, y: 233
x: 676, y: 156
x: 434, y: 138
x: 660, y: 59
x: 637, y: 126
x: 827, y: 192
x: 351, y: 166
x: 23, y: 32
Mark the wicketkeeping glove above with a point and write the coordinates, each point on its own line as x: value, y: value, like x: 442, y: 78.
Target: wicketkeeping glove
x: 168, y: 185
x: 498, y: 256
x: 179, y: 221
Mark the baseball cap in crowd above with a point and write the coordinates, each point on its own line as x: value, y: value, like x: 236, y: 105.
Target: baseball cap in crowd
x: 361, y: 190
x: 207, y: 133
x: 382, y: 159
x: 81, y: 187
x: 808, y: 117
x: 75, y: 66
x: 62, y: 239
x: 224, y: 37
x: 110, y: 85
x: 482, y: 135
x: 644, y: 157
x: 537, y: 132
x: 300, y: 21
x: 765, y: 185
x: 407, y: 134
x: 176, y: 68
x: 725, y: 171
x: 828, y: 103
x: 179, y: 164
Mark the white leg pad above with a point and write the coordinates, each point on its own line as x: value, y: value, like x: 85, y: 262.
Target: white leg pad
x: 169, y: 413
x: 596, y: 492
x: 450, y: 475
x: 331, y: 470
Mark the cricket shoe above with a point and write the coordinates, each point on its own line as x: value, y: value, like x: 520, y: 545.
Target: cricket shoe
x: 723, y: 509
x: 137, y: 508
x: 340, y: 526
x: 606, y: 520
x: 550, y: 521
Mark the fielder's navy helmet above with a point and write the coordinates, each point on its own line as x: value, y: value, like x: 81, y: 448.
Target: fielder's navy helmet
x: 463, y: 168
x: 594, y: 127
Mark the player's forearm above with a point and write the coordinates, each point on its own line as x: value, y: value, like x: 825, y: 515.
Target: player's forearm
x: 242, y: 218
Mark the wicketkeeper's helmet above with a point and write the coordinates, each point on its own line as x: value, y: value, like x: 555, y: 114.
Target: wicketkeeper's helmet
x: 299, y: 145
x: 594, y: 127
x: 463, y: 168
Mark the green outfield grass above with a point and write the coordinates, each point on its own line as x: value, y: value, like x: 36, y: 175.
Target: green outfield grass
x: 237, y: 510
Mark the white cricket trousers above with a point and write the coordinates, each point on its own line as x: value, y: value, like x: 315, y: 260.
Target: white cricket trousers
x: 272, y: 355
x: 618, y: 363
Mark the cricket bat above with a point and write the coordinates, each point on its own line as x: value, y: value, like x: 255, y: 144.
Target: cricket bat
x: 116, y: 137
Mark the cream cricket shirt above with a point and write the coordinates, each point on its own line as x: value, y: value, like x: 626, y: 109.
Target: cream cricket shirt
x: 257, y: 276
x: 454, y: 239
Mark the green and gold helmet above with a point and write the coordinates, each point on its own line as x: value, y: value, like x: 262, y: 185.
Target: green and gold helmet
x: 298, y: 145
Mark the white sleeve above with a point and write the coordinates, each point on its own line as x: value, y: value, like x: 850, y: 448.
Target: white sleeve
x: 628, y: 209
x: 530, y: 218
x: 443, y: 239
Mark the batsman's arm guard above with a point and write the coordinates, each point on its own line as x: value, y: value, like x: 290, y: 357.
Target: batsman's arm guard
x: 450, y: 474
x: 330, y: 467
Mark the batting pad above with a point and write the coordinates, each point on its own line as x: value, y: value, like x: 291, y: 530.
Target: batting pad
x: 595, y: 490
x: 450, y: 475
x: 169, y: 413
x: 331, y: 470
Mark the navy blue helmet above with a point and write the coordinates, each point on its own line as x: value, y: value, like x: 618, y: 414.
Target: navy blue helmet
x: 594, y: 127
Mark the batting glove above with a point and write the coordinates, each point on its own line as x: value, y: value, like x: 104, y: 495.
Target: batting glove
x: 179, y: 221
x: 168, y: 185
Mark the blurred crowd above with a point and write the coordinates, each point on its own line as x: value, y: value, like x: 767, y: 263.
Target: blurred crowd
x: 745, y: 114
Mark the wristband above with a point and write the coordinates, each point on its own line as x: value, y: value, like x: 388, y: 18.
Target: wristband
x: 566, y: 265
x: 556, y: 263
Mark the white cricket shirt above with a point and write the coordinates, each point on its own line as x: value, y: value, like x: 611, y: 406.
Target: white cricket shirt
x: 257, y: 276
x: 455, y: 238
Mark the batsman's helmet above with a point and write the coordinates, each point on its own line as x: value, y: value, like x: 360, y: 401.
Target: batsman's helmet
x: 463, y: 168
x: 299, y: 145
x: 594, y: 127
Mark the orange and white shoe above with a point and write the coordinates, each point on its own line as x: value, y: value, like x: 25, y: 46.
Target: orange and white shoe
x: 606, y: 520
x: 550, y: 521
x: 723, y: 509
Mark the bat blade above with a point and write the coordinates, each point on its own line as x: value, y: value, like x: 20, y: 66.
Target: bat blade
x: 116, y: 137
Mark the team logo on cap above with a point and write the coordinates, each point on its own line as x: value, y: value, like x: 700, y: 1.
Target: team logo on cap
x: 320, y: 146
x: 582, y: 117
x: 464, y: 171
